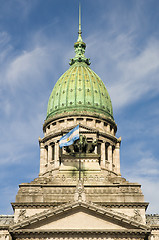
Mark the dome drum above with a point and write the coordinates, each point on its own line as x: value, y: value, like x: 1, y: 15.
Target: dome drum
x: 105, y: 155
x: 74, y: 118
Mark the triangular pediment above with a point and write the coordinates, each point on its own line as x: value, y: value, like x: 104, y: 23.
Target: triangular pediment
x: 77, y: 216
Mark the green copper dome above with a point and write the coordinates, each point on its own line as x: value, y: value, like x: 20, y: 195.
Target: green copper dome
x: 79, y: 88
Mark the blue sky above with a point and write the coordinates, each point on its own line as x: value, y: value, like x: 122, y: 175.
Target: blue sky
x: 36, y: 43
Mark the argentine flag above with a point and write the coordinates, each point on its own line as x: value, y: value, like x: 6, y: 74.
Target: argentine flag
x: 70, y: 137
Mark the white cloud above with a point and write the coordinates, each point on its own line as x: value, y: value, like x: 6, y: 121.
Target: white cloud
x: 149, y: 189
x: 146, y: 166
x: 129, y: 73
x: 28, y: 66
x: 145, y: 171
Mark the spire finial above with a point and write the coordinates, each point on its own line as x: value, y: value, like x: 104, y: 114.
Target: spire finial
x: 80, y: 18
x: 79, y: 31
x: 79, y: 46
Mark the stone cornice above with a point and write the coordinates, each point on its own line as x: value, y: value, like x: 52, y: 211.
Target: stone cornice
x: 154, y: 227
x: 4, y: 227
x: 105, y: 204
x: 125, y: 204
x: 74, y: 231
x: 113, y: 185
x: 91, y: 130
x: 122, y: 218
x: 82, y: 114
x: 35, y: 205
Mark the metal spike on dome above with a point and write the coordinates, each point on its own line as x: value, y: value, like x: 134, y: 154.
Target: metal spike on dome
x: 79, y: 46
x: 79, y: 32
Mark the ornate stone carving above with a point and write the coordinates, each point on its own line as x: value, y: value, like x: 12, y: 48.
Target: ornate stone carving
x: 137, y: 215
x: 80, y: 192
x: 22, y: 214
x: 81, y: 146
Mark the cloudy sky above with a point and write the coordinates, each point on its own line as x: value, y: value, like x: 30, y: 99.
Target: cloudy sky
x: 36, y: 43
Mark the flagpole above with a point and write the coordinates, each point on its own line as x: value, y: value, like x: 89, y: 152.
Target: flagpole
x: 80, y: 165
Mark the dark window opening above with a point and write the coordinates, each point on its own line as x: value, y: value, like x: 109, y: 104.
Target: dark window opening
x: 53, y: 152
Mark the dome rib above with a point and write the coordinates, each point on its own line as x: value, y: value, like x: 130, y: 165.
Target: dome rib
x: 67, y: 89
x: 60, y: 91
x: 99, y: 95
x: 83, y: 86
x: 76, y: 86
x: 91, y: 87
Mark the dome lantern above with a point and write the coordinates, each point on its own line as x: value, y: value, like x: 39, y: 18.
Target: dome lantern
x: 79, y: 46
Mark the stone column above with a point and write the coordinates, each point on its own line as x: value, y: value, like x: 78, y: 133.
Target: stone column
x: 49, y: 155
x: 42, y: 158
x: 110, y: 159
x: 84, y: 121
x: 112, y: 131
x: 108, y: 128
x: 117, y: 158
x: 103, y: 154
x: 56, y: 155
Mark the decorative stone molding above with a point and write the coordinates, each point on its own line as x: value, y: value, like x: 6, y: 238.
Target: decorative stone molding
x: 152, y: 219
x: 22, y: 215
x: 86, y: 205
x: 137, y: 215
x: 80, y: 192
x: 80, y: 234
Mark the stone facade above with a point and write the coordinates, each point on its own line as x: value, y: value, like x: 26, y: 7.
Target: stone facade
x: 80, y: 193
